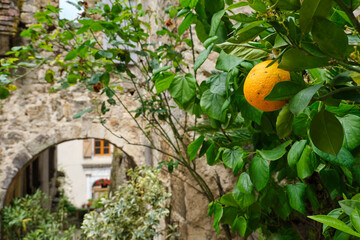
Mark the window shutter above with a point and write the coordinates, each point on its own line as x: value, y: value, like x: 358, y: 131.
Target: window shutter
x: 87, y: 148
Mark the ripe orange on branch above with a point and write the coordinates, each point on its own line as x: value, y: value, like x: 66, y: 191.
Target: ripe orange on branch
x: 259, y: 83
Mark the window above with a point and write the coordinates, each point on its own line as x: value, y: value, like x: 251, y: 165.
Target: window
x: 101, y: 148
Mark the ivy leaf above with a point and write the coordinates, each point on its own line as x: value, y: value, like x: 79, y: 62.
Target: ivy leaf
x: 335, y: 223
x: 244, y: 183
x: 331, y: 39
x: 217, y: 210
x: 234, y: 159
x: 275, y: 153
x: 296, y: 195
x: 326, y: 132
x: 295, y: 152
x: 227, y: 62
x: 229, y: 200
x: 186, y: 23
x: 284, y: 122
x: 300, y: 101
x: 183, y: 89
x: 259, y: 171
x: 194, y: 147
x: 163, y: 81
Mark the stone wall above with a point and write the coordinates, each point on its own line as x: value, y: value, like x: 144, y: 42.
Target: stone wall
x: 32, y: 120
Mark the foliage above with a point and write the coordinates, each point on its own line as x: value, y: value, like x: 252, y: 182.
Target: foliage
x: 27, y: 218
x: 133, y: 212
x: 302, y: 159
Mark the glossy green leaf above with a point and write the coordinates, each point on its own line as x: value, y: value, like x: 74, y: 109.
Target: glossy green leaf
x: 326, y: 132
x: 311, y: 8
x: 259, y: 171
x: 210, y: 40
x: 243, y: 18
x: 237, y: 5
x: 211, y: 104
x: 227, y: 62
x: 217, y: 210
x: 295, y: 152
x: 229, y: 200
x: 248, y: 111
x: 202, y: 57
x: 186, y: 23
x: 351, y: 125
x: 95, y: 78
x: 284, y: 90
x: 249, y: 32
x: 243, y: 51
x: 244, y: 200
x: 163, y: 81
x: 183, y: 89
x: 193, y: 148
x: 275, y: 153
x: 244, y: 183
x: 298, y: 60
x: 105, y: 54
x: 218, y: 83
x: 239, y: 225
x: 296, y: 195
x: 355, y: 219
x: 234, y: 159
x: 4, y: 93
x: 335, y: 223
x: 188, y: 3
x: 215, y: 22
x: 331, y: 39
x: 287, y: 4
x: 300, y: 101
x: 349, y: 205
x: 71, y: 55
x: 284, y: 122
x: 258, y: 5
x: 306, y: 164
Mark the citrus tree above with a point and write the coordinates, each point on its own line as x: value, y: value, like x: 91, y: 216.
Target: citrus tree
x: 296, y: 157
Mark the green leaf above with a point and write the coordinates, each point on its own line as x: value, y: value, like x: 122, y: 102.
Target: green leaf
x: 335, y: 223
x: 244, y: 183
x: 49, y: 76
x: 284, y: 122
x: 311, y: 8
x: 311, y: 195
x: 343, y: 158
x: 237, y: 5
x: 234, y: 159
x: 218, y: 83
x: 212, y: 153
x: 227, y: 62
x: 194, y: 147
x: 331, y: 39
x: 95, y: 78
x: 259, y: 171
x: 306, y: 164
x: 188, y: 3
x: 218, y: 211
x: 300, y: 101
x: 215, y: 22
x: 242, y: 18
x: 244, y: 200
x: 249, y: 32
x: 331, y: 180
x: 326, y: 132
x: 202, y: 57
x: 79, y: 114
x: 105, y: 54
x: 296, y: 195
x: 349, y: 205
x: 355, y: 219
x: 243, y: 51
x: 4, y: 93
x: 248, y: 111
x: 105, y: 78
x: 297, y: 60
x: 284, y: 90
x: 295, y: 152
x: 161, y: 69
x: 211, y: 104
x: 275, y: 153
x: 351, y: 125
x: 163, y: 81
x: 210, y: 40
x: 229, y: 200
x: 258, y: 5
x: 183, y: 89
x: 186, y: 23
x: 290, y: 5
x: 239, y: 225
x: 71, y: 55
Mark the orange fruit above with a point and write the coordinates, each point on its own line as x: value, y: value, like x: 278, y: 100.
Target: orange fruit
x: 259, y: 83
